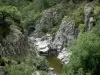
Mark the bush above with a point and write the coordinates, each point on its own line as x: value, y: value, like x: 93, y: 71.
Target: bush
x: 21, y: 69
x: 8, y: 15
x: 85, y: 55
x: 29, y: 17
x: 17, y: 3
x: 97, y: 28
x: 97, y: 12
x: 82, y: 27
x: 10, y: 12
x: 40, y: 5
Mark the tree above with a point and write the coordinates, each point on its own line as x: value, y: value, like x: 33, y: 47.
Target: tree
x: 86, y: 54
x: 8, y: 16
x: 97, y: 28
x: 40, y: 5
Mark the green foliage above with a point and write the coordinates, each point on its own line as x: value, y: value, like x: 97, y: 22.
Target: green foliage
x: 2, y: 62
x: 26, y: 67
x: 54, y: 2
x: 20, y: 69
x: 78, y: 15
x: 8, y: 15
x: 97, y: 28
x: 12, y: 12
x: 85, y: 55
x: 88, y: 73
x: 53, y: 30
x: 40, y: 5
x: 49, y: 30
x: 80, y: 71
x: 81, y: 27
x: 85, y: 58
x: 17, y: 3
x: 79, y: 1
x: 30, y: 16
x: 97, y: 12
x: 30, y: 21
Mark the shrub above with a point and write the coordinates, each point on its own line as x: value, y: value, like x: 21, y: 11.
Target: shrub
x: 8, y: 15
x: 30, y: 16
x: 82, y: 27
x: 97, y: 12
x: 85, y: 54
x: 97, y: 28
x: 40, y: 5
x: 17, y: 3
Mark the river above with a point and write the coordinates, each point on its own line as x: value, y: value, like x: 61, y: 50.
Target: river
x: 55, y: 63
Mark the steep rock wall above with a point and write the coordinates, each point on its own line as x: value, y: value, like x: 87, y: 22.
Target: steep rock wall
x: 15, y: 43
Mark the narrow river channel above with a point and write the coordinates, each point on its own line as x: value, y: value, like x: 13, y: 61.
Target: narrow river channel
x: 55, y: 63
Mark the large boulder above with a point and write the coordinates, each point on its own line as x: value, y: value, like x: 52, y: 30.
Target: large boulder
x: 42, y: 45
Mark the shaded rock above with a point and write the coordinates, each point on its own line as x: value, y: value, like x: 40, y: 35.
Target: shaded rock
x: 42, y: 67
x: 58, y: 45
x: 64, y: 35
x: 15, y: 43
x: 76, y: 32
x: 2, y: 71
x: 63, y: 39
x: 90, y: 25
x: 48, y: 20
x: 88, y: 19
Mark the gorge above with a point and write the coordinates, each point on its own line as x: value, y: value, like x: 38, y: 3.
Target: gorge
x: 49, y: 37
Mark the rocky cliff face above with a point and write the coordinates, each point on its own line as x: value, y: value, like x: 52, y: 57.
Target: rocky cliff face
x: 46, y: 22
x: 88, y: 18
x: 60, y: 41
x: 15, y: 43
x: 64, y: 35
x: 63, y: 38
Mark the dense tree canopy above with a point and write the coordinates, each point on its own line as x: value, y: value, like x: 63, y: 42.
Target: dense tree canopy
x: 85, y: 56
x: 8, y: 15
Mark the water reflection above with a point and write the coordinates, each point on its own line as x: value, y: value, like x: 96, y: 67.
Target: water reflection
x: 55, y: 63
